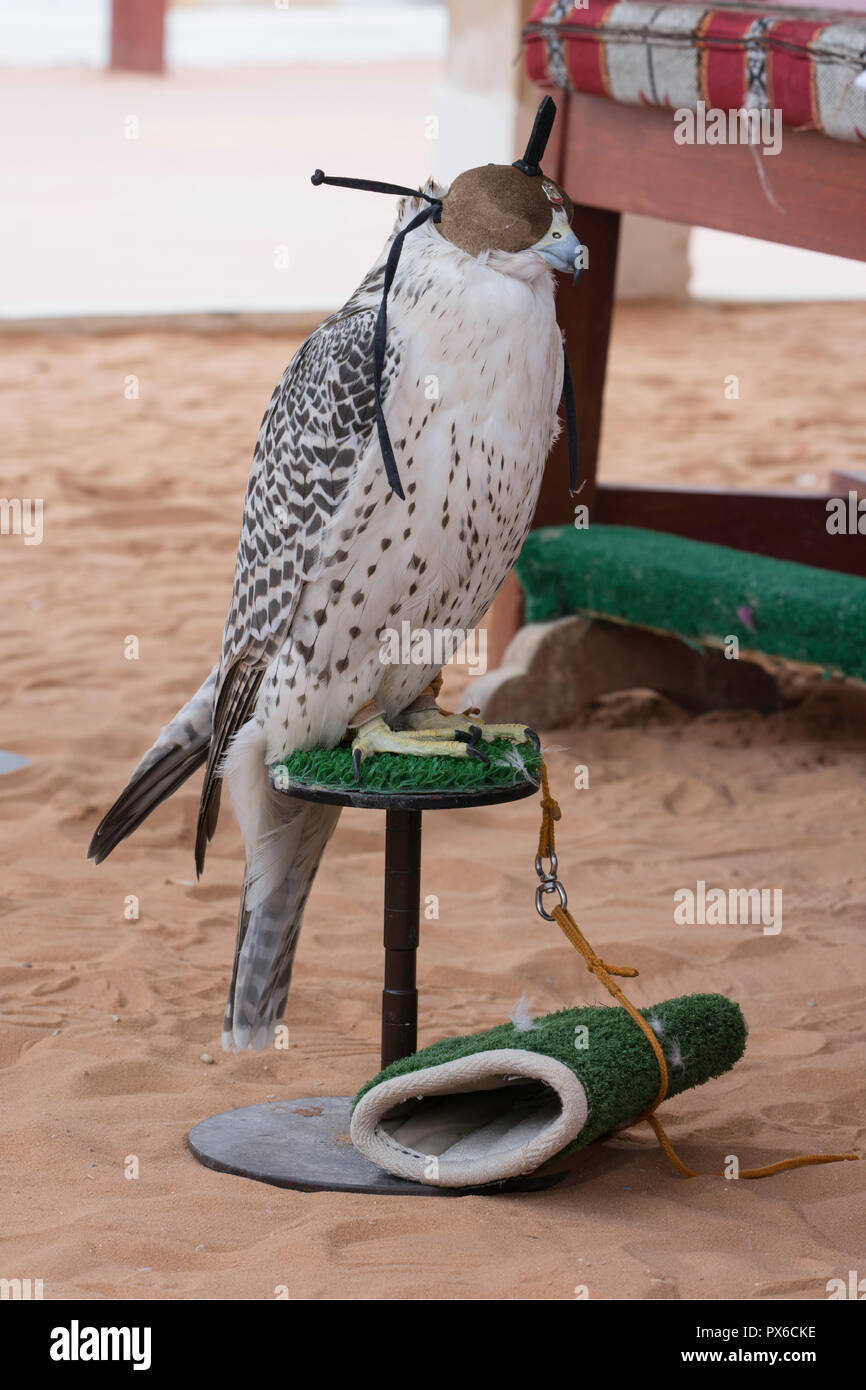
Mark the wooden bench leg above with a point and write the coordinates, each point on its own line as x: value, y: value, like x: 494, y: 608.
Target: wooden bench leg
x: 584, y: 312
x: 504, y: 618
x: 138, y: 35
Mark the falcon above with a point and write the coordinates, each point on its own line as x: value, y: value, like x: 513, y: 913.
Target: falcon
x: 394, y: 479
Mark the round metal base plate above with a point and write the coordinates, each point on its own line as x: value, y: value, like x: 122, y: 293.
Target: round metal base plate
x: 305, y: 1144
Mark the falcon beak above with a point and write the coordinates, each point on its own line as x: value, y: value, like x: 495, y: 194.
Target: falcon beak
x: 564, y: 254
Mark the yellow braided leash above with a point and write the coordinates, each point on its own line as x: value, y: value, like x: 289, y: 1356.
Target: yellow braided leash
x: 550, y: 814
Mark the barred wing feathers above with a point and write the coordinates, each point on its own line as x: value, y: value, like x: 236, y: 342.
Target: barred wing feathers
x: 320, y: 421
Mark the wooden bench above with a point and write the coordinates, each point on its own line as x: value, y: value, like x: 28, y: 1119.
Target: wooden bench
x: 616, y: 158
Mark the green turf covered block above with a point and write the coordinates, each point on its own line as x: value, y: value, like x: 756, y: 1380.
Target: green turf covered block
x: 498, y: 1104
x: 699, y: 592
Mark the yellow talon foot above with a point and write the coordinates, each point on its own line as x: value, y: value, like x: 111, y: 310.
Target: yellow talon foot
x: 435, y: 724
x: 376, y: 737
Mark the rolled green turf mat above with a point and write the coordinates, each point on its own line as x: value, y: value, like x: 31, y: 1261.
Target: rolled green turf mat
x: 700, y: 592
x: 473, y: 1110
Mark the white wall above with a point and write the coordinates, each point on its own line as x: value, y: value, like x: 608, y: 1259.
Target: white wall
x: 728, y: 267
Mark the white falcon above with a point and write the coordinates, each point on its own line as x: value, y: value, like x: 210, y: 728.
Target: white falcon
x: 394, y: 480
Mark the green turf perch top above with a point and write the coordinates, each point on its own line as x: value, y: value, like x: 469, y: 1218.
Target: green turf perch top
x: 474, y: 1110
x: 507, y: 765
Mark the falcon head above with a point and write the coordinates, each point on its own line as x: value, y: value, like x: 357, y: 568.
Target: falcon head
x: 501, y: 209
x: 513, y: 207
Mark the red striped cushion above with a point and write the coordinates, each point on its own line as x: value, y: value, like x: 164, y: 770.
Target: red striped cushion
x: 675, y: 56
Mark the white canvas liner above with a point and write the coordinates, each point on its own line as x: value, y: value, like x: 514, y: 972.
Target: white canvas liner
x: 475, y: 1120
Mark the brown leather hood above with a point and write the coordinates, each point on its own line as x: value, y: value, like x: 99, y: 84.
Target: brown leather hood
x: 499, y: 208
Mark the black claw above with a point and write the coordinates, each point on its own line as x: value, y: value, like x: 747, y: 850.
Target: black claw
x: 477, y: 734
x: 356, y: 765
x: 532, y: 737
x: 460, y: 736
x: 473, y: 752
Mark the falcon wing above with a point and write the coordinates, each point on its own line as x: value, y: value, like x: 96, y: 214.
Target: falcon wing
x: 320, y: 420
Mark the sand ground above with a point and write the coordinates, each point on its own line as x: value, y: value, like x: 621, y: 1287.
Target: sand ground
x: 104, y: 1020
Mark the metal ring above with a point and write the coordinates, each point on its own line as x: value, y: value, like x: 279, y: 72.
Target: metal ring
x: 549, y: 886
x: 546, y: 873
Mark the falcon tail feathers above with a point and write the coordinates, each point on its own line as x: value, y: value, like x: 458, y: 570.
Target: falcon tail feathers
x: 234, y: 704
x: 182, y: 747
x: 284, y: 839
x: 268, y: 932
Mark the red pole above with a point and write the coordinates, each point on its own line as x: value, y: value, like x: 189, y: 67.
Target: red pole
x: 138, y: 35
